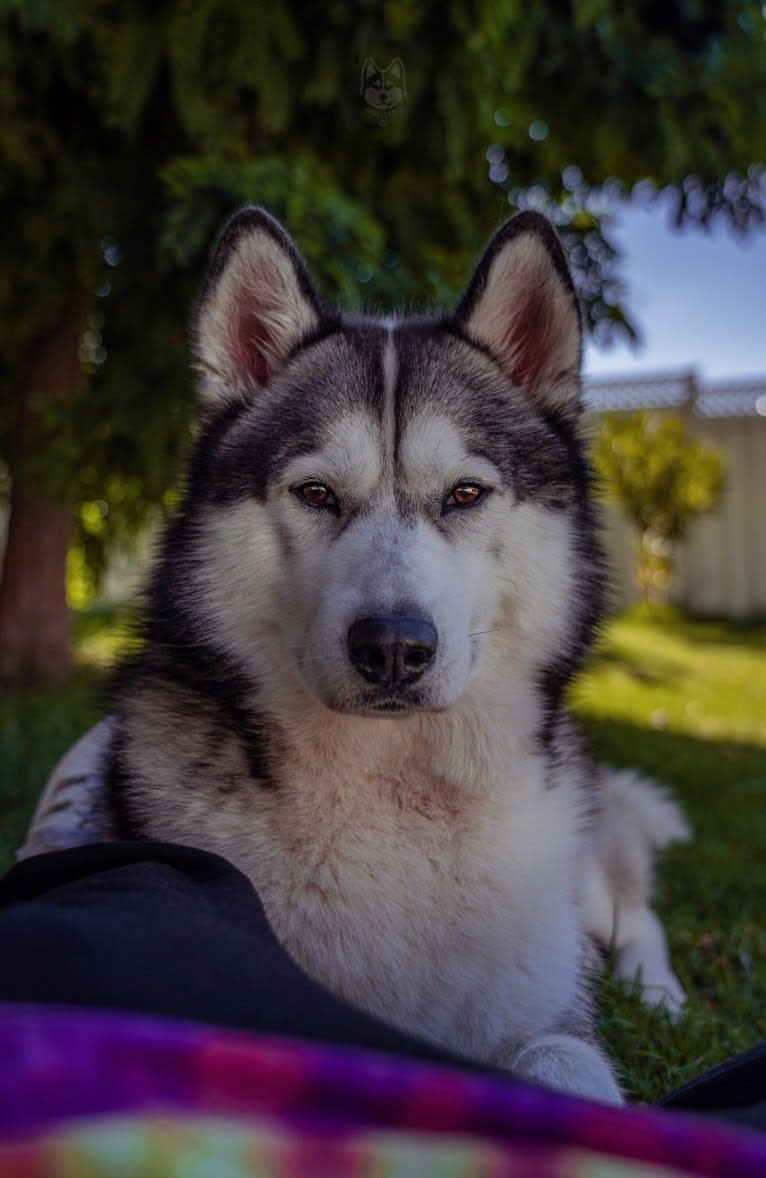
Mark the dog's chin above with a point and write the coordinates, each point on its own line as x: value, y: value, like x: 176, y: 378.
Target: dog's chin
x: 389, y: 711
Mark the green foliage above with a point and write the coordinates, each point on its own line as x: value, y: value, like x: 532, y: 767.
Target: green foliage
x: 127, y: 135
x: 662, y: 478
x: 340, y: 238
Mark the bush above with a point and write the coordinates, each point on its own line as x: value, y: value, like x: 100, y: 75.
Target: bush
x: 662, y: 479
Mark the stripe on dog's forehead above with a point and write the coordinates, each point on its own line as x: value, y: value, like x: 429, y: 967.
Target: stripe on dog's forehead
x: 390, y: 379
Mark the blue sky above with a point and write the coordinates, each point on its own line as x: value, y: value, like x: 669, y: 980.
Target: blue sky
x: 699, y: 299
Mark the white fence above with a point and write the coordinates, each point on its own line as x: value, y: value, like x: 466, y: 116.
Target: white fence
x: 721, y: 567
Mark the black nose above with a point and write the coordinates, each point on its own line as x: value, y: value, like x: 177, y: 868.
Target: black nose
x: 393, y: 650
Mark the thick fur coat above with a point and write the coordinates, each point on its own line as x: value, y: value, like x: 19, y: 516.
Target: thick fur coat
x: 384, y: 573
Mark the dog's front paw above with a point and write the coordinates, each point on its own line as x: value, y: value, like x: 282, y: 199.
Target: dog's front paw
x: 659, y: 985
x: 642, y: 956
x: 567, y: 1065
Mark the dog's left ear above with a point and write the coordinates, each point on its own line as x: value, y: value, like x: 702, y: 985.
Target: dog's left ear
x: 522, y: 307
x: 256, y: 306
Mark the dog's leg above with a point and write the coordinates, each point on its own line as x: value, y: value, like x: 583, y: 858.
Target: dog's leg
x: 567, y: 1064
x: 642, y: 954
x: 635, y: 935
x: 637, y: 819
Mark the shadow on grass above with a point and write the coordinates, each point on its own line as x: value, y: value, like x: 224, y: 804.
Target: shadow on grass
x: 699, y: 629
x: 750, y: 632
x: 651, y: 670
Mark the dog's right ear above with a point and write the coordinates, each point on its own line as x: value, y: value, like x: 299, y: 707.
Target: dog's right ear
x: 257, y: 304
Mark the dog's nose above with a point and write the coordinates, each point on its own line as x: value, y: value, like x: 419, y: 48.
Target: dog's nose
x: 393, y: 650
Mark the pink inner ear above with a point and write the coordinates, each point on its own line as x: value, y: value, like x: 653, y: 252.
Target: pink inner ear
x: 251, y: 344
x: 527, y: 339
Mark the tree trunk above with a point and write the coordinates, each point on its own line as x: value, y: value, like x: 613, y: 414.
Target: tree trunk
x: 34, y: 617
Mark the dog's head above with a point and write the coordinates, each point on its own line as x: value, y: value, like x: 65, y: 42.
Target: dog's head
x: 383, y: 89
x: 386, y: 510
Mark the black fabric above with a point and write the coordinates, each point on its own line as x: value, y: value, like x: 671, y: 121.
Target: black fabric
x: 164, y: 929
x: 168, y: 930
x: 735, y: 1090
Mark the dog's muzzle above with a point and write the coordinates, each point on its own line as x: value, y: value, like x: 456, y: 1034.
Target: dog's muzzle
x: 393, y: 650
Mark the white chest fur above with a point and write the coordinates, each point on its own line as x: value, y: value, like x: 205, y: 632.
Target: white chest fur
x: 451, y: 915
x: 446, y: 916
x: 445, y: 906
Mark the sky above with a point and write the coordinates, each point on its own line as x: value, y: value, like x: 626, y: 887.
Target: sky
x: 699, y: 300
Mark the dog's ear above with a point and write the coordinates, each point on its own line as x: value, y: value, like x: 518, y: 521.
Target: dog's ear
x: 256, y: 305
x: 369, y: 70
x: 522, y: 307
x: 395, y: 74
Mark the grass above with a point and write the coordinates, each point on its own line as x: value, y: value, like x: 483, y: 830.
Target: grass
x: 685, y: 701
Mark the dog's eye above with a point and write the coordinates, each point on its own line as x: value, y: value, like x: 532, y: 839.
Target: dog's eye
x: 316, y: 495
x: 465, y: 495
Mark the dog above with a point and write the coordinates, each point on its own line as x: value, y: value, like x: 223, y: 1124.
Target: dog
x: 359, y: 632
x: 383, y: 90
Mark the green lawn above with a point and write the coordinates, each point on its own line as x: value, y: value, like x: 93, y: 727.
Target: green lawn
x: 686, y: 702
x: 683, y: 701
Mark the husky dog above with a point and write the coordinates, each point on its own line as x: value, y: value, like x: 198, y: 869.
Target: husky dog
x: 383, y: 90
x: 383, y: 575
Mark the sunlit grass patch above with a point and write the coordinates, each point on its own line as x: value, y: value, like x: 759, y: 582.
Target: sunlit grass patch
x: 104, y: 634
x: 707, y: 679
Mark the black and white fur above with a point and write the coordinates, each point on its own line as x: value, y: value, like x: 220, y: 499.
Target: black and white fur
x: 425, y: 834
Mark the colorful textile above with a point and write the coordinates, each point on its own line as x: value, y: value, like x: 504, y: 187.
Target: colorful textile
x: 95, y: 1094
x: 182, y: 1149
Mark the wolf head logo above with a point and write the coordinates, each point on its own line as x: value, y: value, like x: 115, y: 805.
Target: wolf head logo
x: 383, y: 90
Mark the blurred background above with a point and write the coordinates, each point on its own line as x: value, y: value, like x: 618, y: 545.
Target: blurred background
x: 392, y: 139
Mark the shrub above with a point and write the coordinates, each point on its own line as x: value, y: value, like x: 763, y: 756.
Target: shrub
x: 662, y: 479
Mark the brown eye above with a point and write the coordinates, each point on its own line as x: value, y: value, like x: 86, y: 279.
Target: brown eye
x: 465, y: 495
x: 317, y: 495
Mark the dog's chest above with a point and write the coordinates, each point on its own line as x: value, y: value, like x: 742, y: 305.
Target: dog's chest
x: 436, y: 895
x: 441, y: 913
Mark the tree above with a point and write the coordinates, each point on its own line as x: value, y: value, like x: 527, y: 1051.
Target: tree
x: 128, y: 133
x: 663, y: 479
